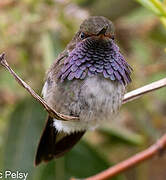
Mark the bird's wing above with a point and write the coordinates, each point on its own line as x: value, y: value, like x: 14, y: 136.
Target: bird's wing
x: 52, y: 72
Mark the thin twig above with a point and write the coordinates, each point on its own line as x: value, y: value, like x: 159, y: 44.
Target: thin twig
x: 128, y: 97
x: 143, y: 90
x: 51, y: 111
x: 142, y: 156
x: 153, y: 150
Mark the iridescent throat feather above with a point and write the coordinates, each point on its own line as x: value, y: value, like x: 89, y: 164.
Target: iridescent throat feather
x: 96, y: 56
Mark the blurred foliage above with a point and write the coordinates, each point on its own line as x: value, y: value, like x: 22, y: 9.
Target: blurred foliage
x: 33, y: 33
x: 20, y: 145
x: 156, y: 6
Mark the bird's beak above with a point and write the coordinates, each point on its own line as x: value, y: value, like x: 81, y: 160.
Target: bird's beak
x: 103, y: 30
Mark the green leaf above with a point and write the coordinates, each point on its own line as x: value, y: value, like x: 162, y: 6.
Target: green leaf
x: 51, y: 47
x: 25, y: 125
x: 149, y: 5
x: 22, y: 137
x: 156, y: 6
x: 121, y: 135
x: 84, y: 161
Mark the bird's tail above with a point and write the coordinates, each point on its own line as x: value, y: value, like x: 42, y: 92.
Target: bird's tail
x: 54, y: 144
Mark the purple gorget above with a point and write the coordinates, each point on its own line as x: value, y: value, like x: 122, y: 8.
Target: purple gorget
x: 93, y: 57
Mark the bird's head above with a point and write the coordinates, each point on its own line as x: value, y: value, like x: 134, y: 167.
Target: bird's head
x: 94, y: 52
x: 96, y: 27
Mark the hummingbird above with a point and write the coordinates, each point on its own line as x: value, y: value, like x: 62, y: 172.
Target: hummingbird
x: 88, y: 81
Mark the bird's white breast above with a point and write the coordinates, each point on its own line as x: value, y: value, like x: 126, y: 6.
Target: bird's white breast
x: 102, y: 99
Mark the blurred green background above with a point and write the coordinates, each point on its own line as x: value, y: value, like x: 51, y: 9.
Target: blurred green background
x: 32, y: 33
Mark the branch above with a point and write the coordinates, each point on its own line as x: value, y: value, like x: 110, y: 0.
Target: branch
x: 143, y: 90
x: 153, y: 150
x: 128, y: 97
x: 142, y: 156
x: 51, y: 111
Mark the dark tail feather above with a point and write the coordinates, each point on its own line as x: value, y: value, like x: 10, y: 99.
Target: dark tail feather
x: 50, y: 147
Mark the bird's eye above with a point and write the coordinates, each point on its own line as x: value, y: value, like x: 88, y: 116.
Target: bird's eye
x: 112, y: 37
x: 83, y: 35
